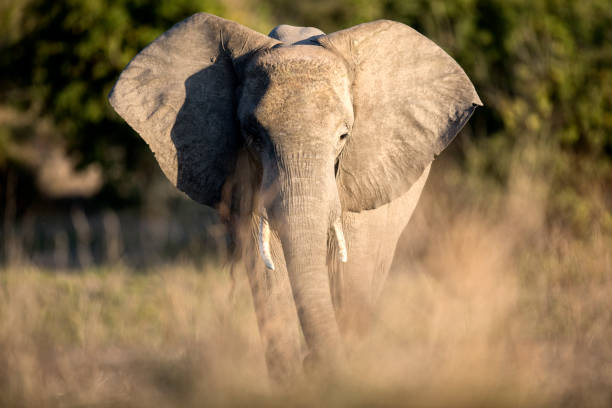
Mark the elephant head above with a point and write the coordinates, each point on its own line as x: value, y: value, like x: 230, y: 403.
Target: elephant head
x: 339, y: 122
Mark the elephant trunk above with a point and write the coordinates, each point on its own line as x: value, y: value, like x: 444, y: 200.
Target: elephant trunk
x: 304, y: 241
x: 304, y: 213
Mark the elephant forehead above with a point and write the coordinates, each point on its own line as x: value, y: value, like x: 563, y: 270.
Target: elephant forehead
x: 298, y: 80
x: 300, y: 59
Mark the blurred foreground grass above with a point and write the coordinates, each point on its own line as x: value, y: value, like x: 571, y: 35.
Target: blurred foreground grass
x: 487, y: 306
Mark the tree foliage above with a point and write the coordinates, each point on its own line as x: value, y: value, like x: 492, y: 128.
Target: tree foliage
x: 60, y: 59
x: 543, y: 69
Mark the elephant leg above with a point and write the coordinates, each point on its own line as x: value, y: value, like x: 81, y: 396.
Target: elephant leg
x: 276, y: 313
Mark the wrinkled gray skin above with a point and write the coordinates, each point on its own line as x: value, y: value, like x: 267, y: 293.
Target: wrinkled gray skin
x: 303, y: 129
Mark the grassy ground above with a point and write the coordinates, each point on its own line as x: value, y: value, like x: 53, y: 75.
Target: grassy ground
x: 488, y: 305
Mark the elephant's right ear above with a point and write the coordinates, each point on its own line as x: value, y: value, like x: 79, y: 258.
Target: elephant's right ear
x: 410, y: 100
x: 179, y: 95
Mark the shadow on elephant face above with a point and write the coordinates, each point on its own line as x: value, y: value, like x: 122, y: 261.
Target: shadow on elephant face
x: 205, y: 133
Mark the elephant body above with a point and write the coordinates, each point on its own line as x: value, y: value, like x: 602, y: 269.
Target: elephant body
x: 372, y: 237
x: 355, y: 286
x: 314, y: 149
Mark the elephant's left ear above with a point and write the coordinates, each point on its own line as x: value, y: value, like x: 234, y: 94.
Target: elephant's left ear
x: 410, y: 100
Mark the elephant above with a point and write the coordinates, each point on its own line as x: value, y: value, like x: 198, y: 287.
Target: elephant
x: 314, y: 150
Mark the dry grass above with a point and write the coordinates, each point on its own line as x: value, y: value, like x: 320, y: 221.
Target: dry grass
x: 487, y: 306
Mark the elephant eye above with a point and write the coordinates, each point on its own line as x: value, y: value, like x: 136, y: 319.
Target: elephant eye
x: 252, y: 135
x: 254, y: 140
x: 343, y: 136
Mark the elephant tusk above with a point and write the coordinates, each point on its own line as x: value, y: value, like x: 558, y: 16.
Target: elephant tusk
x: 340, y: 239
x: 264, y: 243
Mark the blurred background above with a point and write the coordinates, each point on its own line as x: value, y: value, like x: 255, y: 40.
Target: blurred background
x: 505, y: 270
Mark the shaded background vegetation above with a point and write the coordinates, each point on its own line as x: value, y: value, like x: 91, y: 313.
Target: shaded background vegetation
x: 542, y: 68
x: 501, y: 283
